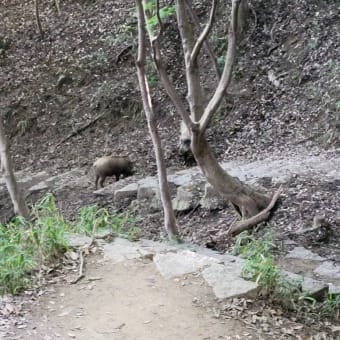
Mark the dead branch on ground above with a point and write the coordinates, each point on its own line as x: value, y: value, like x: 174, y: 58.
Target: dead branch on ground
x: 80, y: 129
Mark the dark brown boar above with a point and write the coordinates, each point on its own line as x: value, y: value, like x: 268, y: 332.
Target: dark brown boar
x: 112, y: 166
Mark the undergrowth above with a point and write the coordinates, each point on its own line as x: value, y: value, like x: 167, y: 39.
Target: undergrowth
x: 260, y: 267
x: 27, y: 245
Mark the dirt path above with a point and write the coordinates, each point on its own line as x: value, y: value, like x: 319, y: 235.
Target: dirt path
x: 125, y: 302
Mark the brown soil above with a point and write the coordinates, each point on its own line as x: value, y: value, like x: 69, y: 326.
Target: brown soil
x: 128, y: 301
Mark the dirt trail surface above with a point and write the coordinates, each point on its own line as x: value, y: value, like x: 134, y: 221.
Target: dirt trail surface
x: 128, y: 301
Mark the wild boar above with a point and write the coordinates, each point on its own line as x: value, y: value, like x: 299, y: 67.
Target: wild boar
x: 112, y: 166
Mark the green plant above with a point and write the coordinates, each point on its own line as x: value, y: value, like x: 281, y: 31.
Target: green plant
x: 288, y: 292
x: 91, y: 219
x: 15, y: 260
x: 259, y: 265
x: 164, y: 12
x: 331, y: 307
x: 152, y: 80
x: 221, y: 62
x: 49, y: 229
x: 24, y: 245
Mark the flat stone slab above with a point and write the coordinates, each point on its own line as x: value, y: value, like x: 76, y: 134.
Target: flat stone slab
x: 121, y: 250
x: 334, y: 289
x: 77, y: 240
x: 172, y: 265
x: 282, y: 169
x: 129, y: 191
x: 226, y: 282
x: 314, y: 288
x: 156, y: 247
x: 329, y: 270
x: 304, y: 254
x: 180, y: 180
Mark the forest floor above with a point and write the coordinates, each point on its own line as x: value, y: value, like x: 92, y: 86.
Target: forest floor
x: 80, y: 81
x: 128, y: 301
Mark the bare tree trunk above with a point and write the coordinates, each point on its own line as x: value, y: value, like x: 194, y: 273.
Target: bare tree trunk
x: 37, y: 18
x: 246, y: 201
x: 242, y: 17
x: 169, y: 216
x: 253, y: 206
x: 17, y: 197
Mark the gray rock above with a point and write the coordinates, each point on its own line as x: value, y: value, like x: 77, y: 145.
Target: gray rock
x: 38, y: 187
x: 77, y: 240
x: 129, y: 191
x: 211, y: 199
x: 284, y: 168
x: 106, y: 191
x: 181, y: 179
x: 334, y: 289
x: 109, y: 190
x: 328, y: 270
x: 172, y: 265
x: 121, y: 250
x: 314, y: 288
x: 156, y: 247
x: 186, y: 198
x: 304, y: 254
x: 147, y: 188
x: 226, y: 282
x: 26, y: 179
x: 69, y: 178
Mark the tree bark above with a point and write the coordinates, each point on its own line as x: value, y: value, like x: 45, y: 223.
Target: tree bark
x: 242, y: 21
x: 37, y: 18
x: 17, y: 197
x: 169, y: 216
x: 246, y: 200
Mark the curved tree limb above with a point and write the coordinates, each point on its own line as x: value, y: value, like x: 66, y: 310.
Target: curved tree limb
x: 195, y: 96
x: 168, y: 86
x: 260, y: 217
x: 202, y: 38
x: 227, y: 71
x: 207, y: 46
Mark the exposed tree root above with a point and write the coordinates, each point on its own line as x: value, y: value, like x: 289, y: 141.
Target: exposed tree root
x: 254, y: 220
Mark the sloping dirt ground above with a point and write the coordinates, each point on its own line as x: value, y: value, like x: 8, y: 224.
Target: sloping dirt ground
x: 283, y: 101
x: 132, y: 301
x: 129, y: 301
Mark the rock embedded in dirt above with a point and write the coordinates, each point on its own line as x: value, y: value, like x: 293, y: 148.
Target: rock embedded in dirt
x: 227, y: 283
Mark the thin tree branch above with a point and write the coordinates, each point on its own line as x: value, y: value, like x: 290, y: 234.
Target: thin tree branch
x: 203, y: 36
x: 207, y: 46
x: 195, y: 97
x: 227, y: 71
x: 37, y: 18
x: 169, y: 216
x: 161, y: 26
x: 168, y: 86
